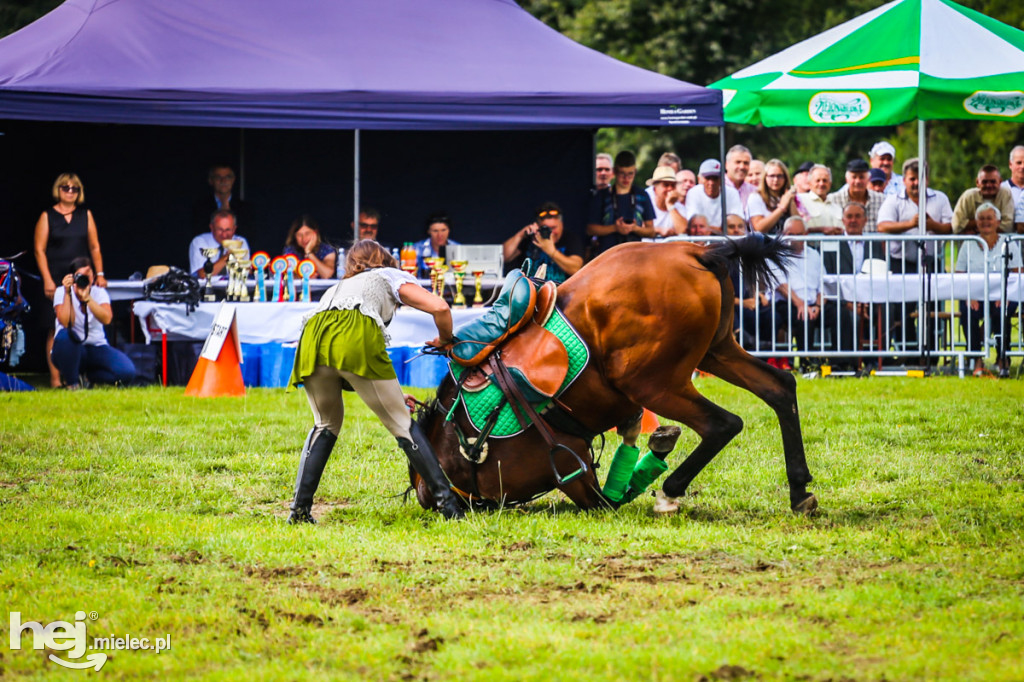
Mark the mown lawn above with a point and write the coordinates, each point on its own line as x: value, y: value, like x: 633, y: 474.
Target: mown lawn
x: 164, y: 515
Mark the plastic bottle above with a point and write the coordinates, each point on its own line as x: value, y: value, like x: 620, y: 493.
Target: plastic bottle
x: 340, y: 268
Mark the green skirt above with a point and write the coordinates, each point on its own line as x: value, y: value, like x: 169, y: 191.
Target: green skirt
x: 345, y: 340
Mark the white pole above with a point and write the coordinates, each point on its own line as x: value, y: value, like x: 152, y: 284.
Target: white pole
x: 922, y: 177
x: 355, y: 186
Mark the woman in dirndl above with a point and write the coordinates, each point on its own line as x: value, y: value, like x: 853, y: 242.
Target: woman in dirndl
x: 343, y: 347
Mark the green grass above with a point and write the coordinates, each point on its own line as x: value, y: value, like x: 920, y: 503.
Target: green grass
x: 165, y: 515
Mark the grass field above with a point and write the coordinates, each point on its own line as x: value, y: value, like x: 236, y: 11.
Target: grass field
x: 163, y: 515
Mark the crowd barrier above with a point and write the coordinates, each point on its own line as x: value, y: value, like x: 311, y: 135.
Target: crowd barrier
x: 894, y: 312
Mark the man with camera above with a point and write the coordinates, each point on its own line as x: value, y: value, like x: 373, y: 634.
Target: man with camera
x: 545, y: 242
x: 80, y: 344
x: 621, y: 212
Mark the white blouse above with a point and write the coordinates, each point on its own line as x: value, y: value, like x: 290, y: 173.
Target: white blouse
x: 373, y: 292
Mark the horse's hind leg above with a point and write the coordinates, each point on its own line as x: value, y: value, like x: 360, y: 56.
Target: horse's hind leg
x: 715, y: 425
x: 778, y: 389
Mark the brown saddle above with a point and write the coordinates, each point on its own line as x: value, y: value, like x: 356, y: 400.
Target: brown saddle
x: 534, y: 356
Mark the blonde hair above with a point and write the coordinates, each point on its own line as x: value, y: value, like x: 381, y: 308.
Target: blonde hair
x: 68, y: 179
x: 771, y: 198
x: 367, y: 254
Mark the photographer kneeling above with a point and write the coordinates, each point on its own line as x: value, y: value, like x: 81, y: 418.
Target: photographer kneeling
x: 545, y: 242
x: 80, y: 344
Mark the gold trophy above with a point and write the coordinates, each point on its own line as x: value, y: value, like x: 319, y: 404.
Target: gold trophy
x: 238, y: 270
x: 434, y: 263
x: 478, y: 277
x: 459, y: 268
x: 210, y: 254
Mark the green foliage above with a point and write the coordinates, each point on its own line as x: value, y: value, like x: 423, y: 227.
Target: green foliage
x: 15, y: 15
x: 165, y: 515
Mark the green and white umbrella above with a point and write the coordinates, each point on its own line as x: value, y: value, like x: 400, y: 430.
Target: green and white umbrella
x: 906, y: 60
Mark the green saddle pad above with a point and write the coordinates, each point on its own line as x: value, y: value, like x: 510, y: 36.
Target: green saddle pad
x: 479, y: 405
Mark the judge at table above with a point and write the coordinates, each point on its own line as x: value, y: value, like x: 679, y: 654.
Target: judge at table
x: 222, y: 228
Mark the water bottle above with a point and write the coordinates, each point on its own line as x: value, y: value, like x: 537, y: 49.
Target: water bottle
x: 340, y: 269
x: 396, y: 255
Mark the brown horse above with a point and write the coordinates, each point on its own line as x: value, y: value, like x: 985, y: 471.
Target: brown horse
x: 650, y: 314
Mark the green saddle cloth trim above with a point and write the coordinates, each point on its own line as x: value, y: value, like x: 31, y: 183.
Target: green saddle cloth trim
x: 479, y: 405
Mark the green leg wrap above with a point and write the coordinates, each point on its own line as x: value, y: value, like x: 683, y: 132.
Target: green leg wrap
x: 620, y: 471
x: 645, y: 473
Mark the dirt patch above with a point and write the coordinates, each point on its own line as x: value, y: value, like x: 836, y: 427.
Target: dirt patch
x: 523, y: 546
x: 598, y: 619
x: 424, y: 642
x: 121, y: 562
x: 334, y: 597
x: 189, y: 558
x: 265, y: 573
x: 320, y: 509
x: 304, y: 618
x: 729, y: 672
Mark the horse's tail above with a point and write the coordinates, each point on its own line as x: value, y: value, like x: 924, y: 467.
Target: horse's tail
x: 756, y: 254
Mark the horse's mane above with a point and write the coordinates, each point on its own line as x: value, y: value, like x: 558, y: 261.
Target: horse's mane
x: 755, y: 254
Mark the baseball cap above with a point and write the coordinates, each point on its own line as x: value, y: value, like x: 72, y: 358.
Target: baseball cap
x: 858, y: 166
x: 805, y: 166
x: 876, y: 175
x: 709, y: 167
x: 883, y: 147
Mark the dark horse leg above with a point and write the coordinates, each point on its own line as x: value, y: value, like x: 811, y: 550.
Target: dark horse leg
x: 777, y: 388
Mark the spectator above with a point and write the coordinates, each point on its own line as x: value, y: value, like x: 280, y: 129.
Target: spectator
x: 972, y: 258
x: 882, y: 156
x: 799, y: 307
x: 1018, y: 215
x: 774, y: 201
x: 222, y: 181
x: 988, y: 189
x: 439, y: 230
x: 706, y: 200
x: 63, y: 232
x: 755, y: 173
x: 369, y: 225
x: 667, y: 222
x: 685, y: 179
x: 848, y: 256
x: 737, y: 165
x: 80, y: 344
x: 899, y: 215
x: 802, y: 177
x: 545, y: 242
x: 602, y: 171
x: 671, y: 161
x: 752, y: 319
x: 877, y: 180
x: 222, y: 228
x: 1015, y: 183
x: 698, y: 226
x: 820, y: 215
x: 622, y: 212
x: 856, y: 189
x: 304, y: 241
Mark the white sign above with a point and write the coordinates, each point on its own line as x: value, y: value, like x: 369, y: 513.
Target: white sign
x: 839, y: 107
x: 988, y: 103
x: 223, y: 323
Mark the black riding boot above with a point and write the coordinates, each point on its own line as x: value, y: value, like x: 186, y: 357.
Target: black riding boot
x: 315, y: 453
x: 424, y: 462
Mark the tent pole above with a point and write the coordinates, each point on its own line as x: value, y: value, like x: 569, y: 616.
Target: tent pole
x: 241, y: 164
x: 723, y: 178
x: 355, y: 186
x: 922, y: 217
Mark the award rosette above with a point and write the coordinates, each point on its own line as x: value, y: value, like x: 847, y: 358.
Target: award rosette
x: 306, y: 270
x: 293, y: 262
x: 260, y: 260
x: 278, y: 266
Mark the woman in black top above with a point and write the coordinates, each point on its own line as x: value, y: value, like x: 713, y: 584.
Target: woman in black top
x: 65, y: 231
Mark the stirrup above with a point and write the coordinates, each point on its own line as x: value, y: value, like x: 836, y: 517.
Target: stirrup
x: 562, y: 480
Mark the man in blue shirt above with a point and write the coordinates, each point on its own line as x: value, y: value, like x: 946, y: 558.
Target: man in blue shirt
x: 622, y: 212
x: 545, y: 242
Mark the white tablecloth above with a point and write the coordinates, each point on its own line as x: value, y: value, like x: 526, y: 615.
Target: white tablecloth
x: 277, y: 322
x: 943, y: 286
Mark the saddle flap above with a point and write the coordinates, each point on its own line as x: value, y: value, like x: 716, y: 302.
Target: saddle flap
x: 547, y: 294
x: 540, y: 358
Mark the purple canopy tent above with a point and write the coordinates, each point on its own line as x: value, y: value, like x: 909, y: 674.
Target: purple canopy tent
x: 370, y: 64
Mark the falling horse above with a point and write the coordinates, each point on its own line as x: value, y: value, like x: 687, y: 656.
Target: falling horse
x: 650, y: 314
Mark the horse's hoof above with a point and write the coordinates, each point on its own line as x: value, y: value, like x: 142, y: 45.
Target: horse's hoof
x: 664, y: 439
x: 663, y: 504
x: 807, y: 505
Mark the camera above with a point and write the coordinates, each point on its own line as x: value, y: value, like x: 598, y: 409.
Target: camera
x: 82, y: 281
x: 544, y: 231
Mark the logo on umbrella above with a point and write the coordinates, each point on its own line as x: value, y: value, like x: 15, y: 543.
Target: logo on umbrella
x: 839, y: 107
x: 987, y: 103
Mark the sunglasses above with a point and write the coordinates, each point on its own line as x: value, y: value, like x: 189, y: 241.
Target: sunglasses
x: 553, y: 213
x: 70, y: 189
x: 368, y: 226
x: 670, y: 184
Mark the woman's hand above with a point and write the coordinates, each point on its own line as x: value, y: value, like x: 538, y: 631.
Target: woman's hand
x: 101, y: 281
x: 442, y: 344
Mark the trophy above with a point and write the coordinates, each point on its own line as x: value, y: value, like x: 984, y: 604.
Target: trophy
x: 278, y: 266
x: 478, y: 300
x: 238, y: 270
x: 208, y: 294
x: 459, y: 268
x: 293, y: 262
x: 306, y: 269
x: 434, y: 264
x: 260, y: 260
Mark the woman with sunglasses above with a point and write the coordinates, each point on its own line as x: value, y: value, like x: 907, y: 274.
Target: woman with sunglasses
x: 65, y: 231
x: 439, y: 229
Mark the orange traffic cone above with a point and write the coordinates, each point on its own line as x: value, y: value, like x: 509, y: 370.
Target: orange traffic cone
x: 649, y: 422
x: 224, y: 377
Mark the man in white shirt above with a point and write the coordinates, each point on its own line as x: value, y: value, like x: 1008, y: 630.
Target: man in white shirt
x: 1015, y: 183
x: 706, y: 200
x: 899, y: 215
x: 222, y: 228
x: 883, y: 155
x: 667, y: 222
x: 821, y: 216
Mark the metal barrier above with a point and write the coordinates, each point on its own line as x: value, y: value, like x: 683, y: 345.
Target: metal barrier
x: 907, y: 307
